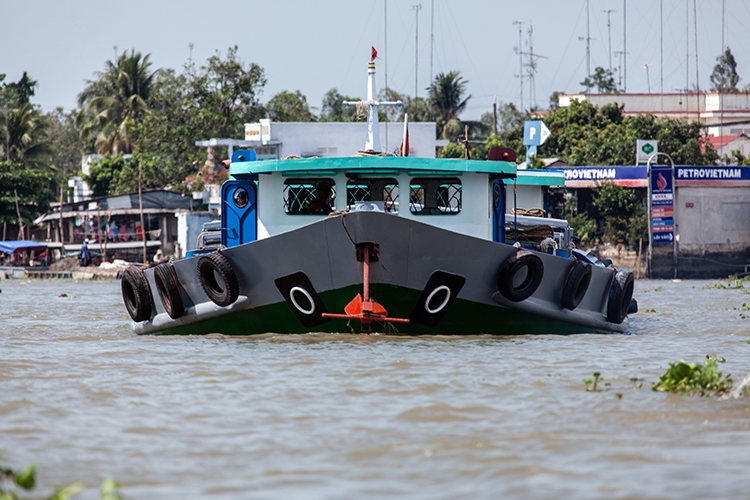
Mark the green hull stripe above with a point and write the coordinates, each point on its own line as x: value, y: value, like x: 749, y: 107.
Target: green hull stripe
x: 463, y: 318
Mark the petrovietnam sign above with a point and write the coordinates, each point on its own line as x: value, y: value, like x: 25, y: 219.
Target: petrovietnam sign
x: 581, y: 177
x: 712, y: 176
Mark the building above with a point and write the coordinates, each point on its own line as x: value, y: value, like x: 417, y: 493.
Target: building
x: 112, y: 224
x: 325, y: 139
x: 712, y: 109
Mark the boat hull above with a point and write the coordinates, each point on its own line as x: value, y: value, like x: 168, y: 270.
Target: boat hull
x: 411, y: 258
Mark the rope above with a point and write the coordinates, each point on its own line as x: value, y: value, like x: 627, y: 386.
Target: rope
x: 370, y: 152
x: 534, y: 234
x: 362, y: 109
x: 533, y: 212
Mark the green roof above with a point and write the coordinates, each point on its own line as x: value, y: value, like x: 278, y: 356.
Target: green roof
x: 540, y: 178
x: 370, y: 164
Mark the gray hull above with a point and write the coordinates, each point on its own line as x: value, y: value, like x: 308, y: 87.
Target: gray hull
x: 409, y: 253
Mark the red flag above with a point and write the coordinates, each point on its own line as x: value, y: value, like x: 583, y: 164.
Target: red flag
x: 404, y: 149
x: 374, y: 54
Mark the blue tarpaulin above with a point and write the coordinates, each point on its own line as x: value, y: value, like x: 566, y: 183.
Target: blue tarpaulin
x: 12, y: 246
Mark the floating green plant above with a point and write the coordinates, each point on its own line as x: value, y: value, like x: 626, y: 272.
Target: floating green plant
x: 25, y: 479
x: 695, y: 378
x: 592, y: 384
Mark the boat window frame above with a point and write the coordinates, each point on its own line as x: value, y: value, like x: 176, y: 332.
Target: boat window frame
x: 309, y: 184
x: 433, y: 196
x: 388, y: 196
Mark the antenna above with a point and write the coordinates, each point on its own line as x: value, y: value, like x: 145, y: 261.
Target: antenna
x: 609, y: 37
x: 190, y: 58
x: 417, y: 8
x: 519, y: 51
x: 588, y: 49
x: 432, y: 35
x: 531, y: 65
x: 621, y: 54
x: 648, y: 80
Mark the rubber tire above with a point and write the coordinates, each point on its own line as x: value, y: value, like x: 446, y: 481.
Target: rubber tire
x: 136, y: 294
x: 576, y: 285
x: 209, y: 266
x: 168, y: 288
x: 620, y: 294
x: 512, y: 265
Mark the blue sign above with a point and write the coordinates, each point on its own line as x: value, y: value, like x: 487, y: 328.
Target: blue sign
x: 712, y: 174
x: 590, y: 176
x: 532, y: 133
x: 662, y: 205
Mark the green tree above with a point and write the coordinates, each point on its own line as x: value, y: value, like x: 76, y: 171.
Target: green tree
x: 724, y: 77
x: 603, y: 80
x: 447, y: 102
x: 215, y: 100
x: 333, y: 110
x: 31, y: 189
x: 621, y: 210
x: 289, y: 107
x: 116, y: 102
x: 227, y: 94
x: 26, y: 141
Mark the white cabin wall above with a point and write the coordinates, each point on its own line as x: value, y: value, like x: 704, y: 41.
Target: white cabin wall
x: 473, y: 220
x: 526, y: 196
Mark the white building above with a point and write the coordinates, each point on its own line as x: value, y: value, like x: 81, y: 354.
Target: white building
x: 709, y: 108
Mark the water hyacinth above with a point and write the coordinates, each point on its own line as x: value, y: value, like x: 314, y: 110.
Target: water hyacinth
x: 695, y: 378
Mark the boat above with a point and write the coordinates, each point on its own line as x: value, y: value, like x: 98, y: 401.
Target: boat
x: 378, y: 243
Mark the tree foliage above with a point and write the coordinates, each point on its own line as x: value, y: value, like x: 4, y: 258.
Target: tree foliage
x: 623, y: 213
x: 333, y: 110
x: 289, y: 107
x: 724, y: 77
x: 603, y: 80
x: 446, y: 100
x: 33, y: 188
x: 116, y: 102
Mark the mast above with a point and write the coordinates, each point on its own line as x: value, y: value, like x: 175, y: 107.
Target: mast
x: 370, y: 107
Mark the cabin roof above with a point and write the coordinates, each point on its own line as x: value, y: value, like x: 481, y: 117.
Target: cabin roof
x: 385, y: 165
x: 540, y: 178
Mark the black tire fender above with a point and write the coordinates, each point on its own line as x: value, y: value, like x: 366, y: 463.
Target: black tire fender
x: 576, y: 285
x: 224, y: 290
x: 168, y: 287
x: 620, y: 294
x: 517, y: 262
x: 136, y: 294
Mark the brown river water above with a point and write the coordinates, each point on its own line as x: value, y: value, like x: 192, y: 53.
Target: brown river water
x: 325, y: 416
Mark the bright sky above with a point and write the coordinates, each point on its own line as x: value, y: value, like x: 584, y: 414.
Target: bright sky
x: 313, y: 46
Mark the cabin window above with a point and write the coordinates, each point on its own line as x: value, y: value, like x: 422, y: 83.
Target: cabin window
x: 435, y: 196
x: 309, y: 196
x: 382, y: 191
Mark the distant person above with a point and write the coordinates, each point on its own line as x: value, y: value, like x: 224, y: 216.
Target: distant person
x: 159, y: 257
x: 85, y: 255
x: 320, y: 205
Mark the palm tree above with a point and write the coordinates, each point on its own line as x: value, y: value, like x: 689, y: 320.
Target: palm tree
x: 115, y: 102
x: 26, y: 142
x: 446, y: 103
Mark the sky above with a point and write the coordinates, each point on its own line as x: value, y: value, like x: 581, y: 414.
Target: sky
x: 313, y: 46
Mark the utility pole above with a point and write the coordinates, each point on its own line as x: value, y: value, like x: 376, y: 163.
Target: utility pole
x: 648, y: 80
x: 494, y: 114
x: 531, y: 65
x: 609, y: 37
x: 432, y: 36
x: 417, y: 8
x: 619, y: 54
x: 661, y: 55
x: 624, y: 49
x: 520, y: 59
